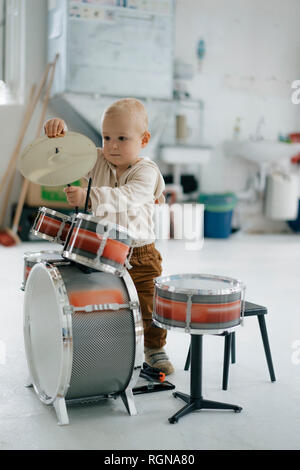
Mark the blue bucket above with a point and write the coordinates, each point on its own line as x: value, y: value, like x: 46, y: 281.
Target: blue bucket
x: 218, y: 214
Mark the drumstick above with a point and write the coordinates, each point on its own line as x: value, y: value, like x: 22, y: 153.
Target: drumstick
x: 87, y: 196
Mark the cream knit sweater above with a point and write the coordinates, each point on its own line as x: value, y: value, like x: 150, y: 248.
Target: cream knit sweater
x: 129, y: 201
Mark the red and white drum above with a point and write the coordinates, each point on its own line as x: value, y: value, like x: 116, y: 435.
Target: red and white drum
x: 51, y: 225
x: 199, y: 303
x: 32, y: 258
x: 83, y: 336
x: 98, y: 246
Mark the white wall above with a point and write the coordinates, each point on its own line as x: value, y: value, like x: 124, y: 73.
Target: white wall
x: 252, y: 57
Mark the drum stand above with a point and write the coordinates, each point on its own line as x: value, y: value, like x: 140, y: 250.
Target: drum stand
x: 60, y: 407
x: 60, y: 404
x: 128, y: 400
x: 195, y: 401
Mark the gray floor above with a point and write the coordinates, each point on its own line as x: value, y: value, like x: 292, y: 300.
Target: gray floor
x: 270, y: 267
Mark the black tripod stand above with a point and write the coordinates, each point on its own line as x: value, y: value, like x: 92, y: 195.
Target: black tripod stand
x: 195, y: 401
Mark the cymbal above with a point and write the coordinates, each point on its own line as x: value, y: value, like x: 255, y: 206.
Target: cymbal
x: 58, y: 161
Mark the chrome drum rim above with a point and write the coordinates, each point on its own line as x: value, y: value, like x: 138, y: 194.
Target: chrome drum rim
x: 65, y: 338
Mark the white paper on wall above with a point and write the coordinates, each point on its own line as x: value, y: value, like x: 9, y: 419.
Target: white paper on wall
x: 116, y: 51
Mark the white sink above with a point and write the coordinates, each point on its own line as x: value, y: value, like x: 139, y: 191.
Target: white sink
x: 182, y: 154
x: 262, y: 151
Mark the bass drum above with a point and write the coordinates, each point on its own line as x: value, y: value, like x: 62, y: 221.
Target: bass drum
x: 83, y: 336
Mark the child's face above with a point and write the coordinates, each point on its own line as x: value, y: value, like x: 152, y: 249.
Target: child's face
x: 122, y: 139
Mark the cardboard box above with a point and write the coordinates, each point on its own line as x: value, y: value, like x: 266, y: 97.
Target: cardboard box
x: 49, y: 196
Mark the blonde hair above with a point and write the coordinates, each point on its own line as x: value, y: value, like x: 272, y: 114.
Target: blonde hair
x: 133, y: 107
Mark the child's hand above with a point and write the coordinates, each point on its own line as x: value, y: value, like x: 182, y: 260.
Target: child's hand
x: 55, y: 128
x: 76, y: 196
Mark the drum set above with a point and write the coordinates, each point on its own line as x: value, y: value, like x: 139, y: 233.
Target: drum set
x: 83, y: 328
x: 82, y: 323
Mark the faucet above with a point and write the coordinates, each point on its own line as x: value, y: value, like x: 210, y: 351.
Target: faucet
x: 258, y: 135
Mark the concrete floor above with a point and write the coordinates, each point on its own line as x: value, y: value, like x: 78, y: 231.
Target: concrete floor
x: 269, y: 265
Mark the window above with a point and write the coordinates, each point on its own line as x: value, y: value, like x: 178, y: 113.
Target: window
x: 2, y: 39
x: 12, y: 21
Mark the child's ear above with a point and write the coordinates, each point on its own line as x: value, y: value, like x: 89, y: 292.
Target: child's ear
x: 145, y: 138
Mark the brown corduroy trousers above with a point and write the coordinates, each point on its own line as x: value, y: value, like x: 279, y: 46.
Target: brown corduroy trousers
x: 146, y: 265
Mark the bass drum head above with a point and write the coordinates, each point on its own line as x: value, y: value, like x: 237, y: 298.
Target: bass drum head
x: 43, y: 330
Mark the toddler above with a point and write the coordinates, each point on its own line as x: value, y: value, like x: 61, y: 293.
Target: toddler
x: 124, y: 190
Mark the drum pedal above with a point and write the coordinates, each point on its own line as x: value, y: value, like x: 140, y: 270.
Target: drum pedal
x: 153, y: 387
x: 152, y: 372
x: 156, y: 379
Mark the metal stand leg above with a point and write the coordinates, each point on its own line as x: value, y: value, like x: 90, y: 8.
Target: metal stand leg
x: 227, y: 349
x: 233, y: 357
x: 195, y: 400
x: 264, y: 335
x: 188, y: 360
x: 233, y: 353
x: 128, y: 400
x: 61, y: 411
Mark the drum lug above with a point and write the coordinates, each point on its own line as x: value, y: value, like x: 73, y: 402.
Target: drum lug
x: 102, y: 244
x: 133, y: 305
x: 68, y: 309
x: 127, y: 261
x: 60, y: 231
x: 188, y: 313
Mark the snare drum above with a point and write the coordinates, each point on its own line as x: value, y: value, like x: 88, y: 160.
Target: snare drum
x: 51, y: 225
x: 83, y: 336
x: 199, y: 303
x: 103, y: 247
x: 30, y: 259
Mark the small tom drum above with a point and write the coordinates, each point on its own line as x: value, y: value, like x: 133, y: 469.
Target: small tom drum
x: 51, y: 225
x: 98, y: 246
x: 199, y: 303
